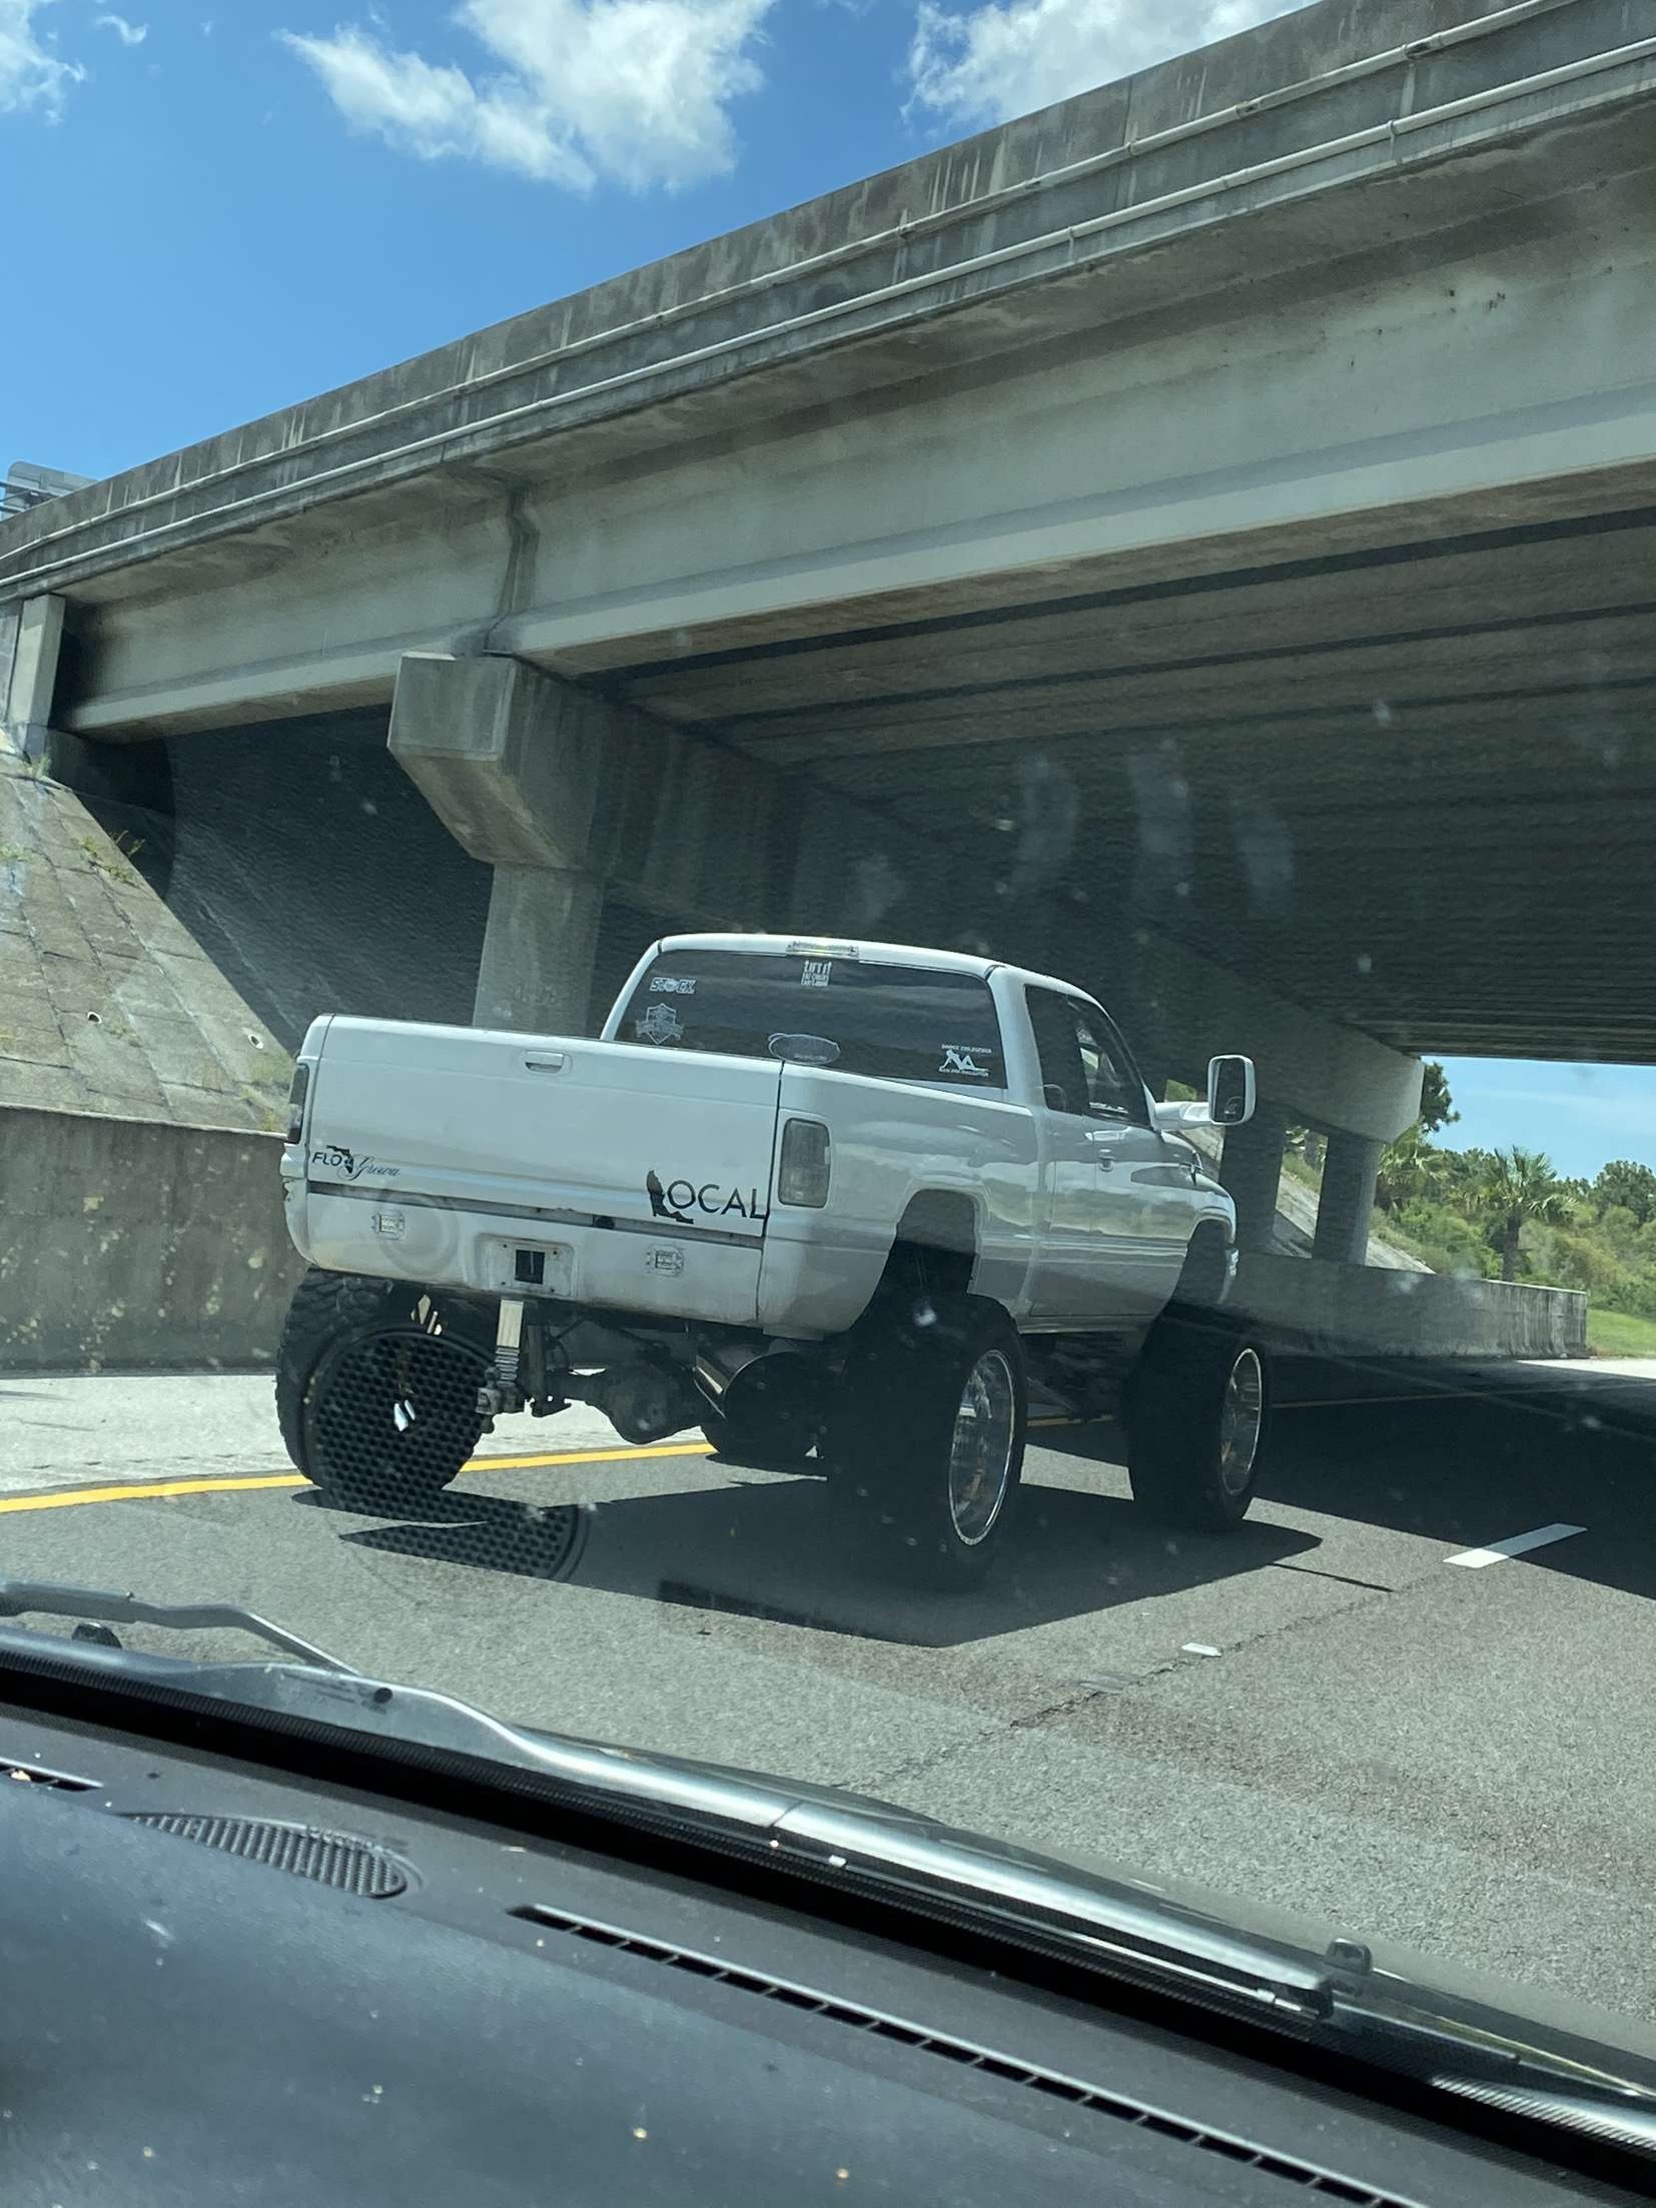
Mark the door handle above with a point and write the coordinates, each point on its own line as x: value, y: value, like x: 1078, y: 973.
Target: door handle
x: 551, y: 1061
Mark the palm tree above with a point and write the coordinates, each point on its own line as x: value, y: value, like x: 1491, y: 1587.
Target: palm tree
x: 1515, y: 1187
x: 1410, y: 1167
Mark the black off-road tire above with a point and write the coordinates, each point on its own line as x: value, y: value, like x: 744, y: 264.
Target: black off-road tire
x: 1202, y: 1385
x: 892, y: 1430
x: 376, y: 1388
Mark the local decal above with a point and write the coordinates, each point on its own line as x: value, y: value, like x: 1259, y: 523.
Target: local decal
x: 684, y: 1200
x: 659, y: 1206
x: 661, y: 1024
x: 963, y: 1062
x: 337, y: 1159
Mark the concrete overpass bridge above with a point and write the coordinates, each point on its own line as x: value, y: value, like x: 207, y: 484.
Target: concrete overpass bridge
x: 1198, y: 537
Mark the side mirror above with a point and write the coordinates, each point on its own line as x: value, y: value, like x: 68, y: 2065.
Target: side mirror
x: 1231, y: 1091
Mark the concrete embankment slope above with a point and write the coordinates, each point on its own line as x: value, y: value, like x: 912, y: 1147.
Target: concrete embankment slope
x: 140, y: 1211
x: 107, y: 1002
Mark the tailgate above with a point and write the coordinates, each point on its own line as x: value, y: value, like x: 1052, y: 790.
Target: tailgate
x: 520, y: 1125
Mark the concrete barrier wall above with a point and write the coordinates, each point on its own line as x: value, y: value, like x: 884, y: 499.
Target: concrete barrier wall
x: 1341, y: 1309
x: 134, y: 1245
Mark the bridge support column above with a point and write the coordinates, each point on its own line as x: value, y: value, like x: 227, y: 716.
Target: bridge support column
x: 539, y: 950
x: 28, y: 673
x: 1252, y: 1169
x: 514, y: 765
x: 571, y: 798
x: 1349, y: 1173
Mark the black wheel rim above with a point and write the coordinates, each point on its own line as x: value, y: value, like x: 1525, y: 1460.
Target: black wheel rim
x: 392, y: 1414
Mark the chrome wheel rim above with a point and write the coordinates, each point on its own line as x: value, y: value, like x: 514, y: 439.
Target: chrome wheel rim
x: 1241, y: 1420
x: 980, y: 1448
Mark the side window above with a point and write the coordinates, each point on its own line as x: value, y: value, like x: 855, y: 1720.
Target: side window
x: 1084, y: 1065
x: 1112, y: 1085
x: 1058, y: 1047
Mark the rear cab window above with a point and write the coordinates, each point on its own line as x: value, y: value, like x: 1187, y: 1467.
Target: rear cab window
x: 898, y: 1023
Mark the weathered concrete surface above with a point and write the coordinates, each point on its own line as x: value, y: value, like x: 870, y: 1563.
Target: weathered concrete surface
x: 1331, y: 1074
x: 1296, y: 1227
x: 1250, y: 1165
x: 1265, y: 447
x: 1350, y: 93
x: 528, y: 771
x: 1291, y: 1220
x: 31, y: 639
x: 1354, y: 1310
x: 540, y: 955
x: 1351, y: 1172
x: 107, y: 1003
x: 301, y: 861
x: 133, y: 1245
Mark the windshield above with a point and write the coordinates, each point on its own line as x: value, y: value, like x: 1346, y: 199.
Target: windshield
x: 1085, y: 567
x: 899, y: 1023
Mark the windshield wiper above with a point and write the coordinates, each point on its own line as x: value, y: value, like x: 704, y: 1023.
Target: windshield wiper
x: 885, y: 1849
x: 53, y: 1599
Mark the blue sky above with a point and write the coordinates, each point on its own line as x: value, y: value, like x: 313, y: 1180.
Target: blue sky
x: 1581, y: 1115
x: 218, y: 207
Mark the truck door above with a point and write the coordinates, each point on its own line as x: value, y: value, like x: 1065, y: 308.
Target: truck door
x: 1115, y: 1235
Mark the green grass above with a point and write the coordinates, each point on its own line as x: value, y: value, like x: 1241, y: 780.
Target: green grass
x: 1620, y: 1334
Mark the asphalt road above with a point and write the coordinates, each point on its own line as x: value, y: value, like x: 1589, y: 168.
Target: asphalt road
x: 1325, y: 1712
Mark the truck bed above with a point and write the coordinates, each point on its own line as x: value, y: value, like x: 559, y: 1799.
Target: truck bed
x: 548, y: 1165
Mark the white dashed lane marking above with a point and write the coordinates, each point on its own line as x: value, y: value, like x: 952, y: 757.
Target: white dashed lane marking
x: 1515, y: 1545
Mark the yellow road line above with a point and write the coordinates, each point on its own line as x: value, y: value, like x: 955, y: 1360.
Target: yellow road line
x: 146, y: 1491
x: 593, y: 1456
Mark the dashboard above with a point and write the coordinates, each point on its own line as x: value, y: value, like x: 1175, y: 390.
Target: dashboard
x: 228, y: 1982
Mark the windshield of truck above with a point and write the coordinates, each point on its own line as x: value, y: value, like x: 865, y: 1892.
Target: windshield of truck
x: 1084, y: 562
x: 902, y: 1023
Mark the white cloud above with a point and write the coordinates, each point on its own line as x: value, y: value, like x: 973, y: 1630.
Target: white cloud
x: 636, y: 90
x: 31, y: 74
x: 986, y: 63
x: 129, y: 34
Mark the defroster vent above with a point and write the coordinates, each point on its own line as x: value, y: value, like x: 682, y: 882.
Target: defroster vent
x: 333, y: 1859
x: 1320, y: 2184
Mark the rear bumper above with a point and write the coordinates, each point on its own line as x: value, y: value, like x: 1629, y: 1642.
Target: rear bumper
x: 659, y: 1270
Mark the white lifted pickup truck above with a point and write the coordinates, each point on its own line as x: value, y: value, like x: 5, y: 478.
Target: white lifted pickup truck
x: 833, y: 1203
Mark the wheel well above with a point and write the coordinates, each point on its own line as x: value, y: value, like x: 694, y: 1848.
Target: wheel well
x: 936, y: 1244
x: 1204, y: 1277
